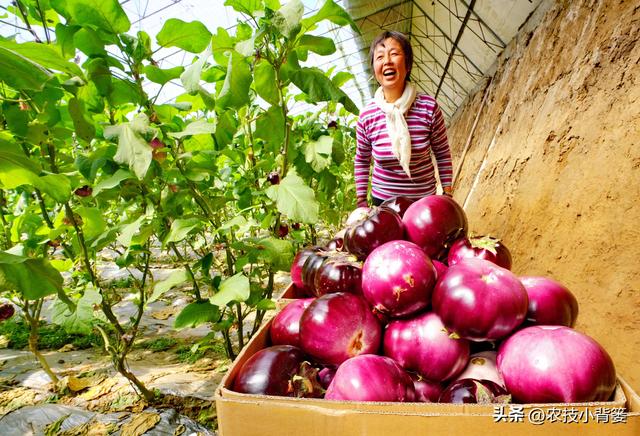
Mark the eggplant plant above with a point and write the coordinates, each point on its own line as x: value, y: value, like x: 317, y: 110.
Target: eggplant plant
x: 91, y: 160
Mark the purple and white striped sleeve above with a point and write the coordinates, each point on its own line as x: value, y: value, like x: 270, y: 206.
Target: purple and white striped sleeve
x: 362, y: 163
x: 440, y: 147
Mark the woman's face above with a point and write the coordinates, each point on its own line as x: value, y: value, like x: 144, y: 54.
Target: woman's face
x: 389, y: 66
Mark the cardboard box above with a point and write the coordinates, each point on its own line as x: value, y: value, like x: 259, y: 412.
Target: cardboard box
x: 262, y: 415
x: 290, y: 293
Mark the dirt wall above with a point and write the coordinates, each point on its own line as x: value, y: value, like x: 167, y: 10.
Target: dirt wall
x: 553, y: 165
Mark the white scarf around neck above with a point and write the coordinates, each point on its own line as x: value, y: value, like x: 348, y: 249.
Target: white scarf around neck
x: 397, y: 125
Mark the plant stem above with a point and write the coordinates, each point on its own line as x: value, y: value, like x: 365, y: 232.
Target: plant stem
x: 287, y: 127
x: 185, y: 263
x: 240, y: 325
x: 119, y: 357
x: 68, y: 250
x: 44, y: 21
x: 206, y: 208
x: 5, y: 225
x: 23, y: 13
x: 260, y: 313
x: 227, y: 344
x: 34, y: 323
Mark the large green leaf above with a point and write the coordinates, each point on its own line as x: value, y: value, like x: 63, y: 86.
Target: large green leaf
x: 112, y: 181
x: 106, y: 15
x: 192, y: 36
x: 12, y: 156
x: 158, y: 75
x: 341, y: 78
x: 17, y: 170
x: 124, y: 91
x: 64, y: 39
x: 129, y: 231
x: 180, y: 228
x: 199, y: 127
x: 91, y: 164
x: 264, y: 79
x: 93, y: 223
x: 33, y: 278
x: 276, y: 252
x: 295, y: 199
x: 197, y: 313
x: 318, y: 153
x: 318, y: 44
x: 235, y: 90
x: 249, y: 7
x: 338, y: 153
x: 91, y: 99
x: 58, y: 186
x: 319, y: 87
x: 235, y: 288
x: 81, y: 320
x: 20, y: 73
x: 225, y: 129
x: 190, y: 78
x: 89, y: 42
x: 174, y: 279
x: 83, y: 126
x: 288, y: 17
x: 45, y: 55
x: 221, y: 42
x: 98, y: 71
x: 270, y: 127
x: 332, y: 12
x: 133, y: 150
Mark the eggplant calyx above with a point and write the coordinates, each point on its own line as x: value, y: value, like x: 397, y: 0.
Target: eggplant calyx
x: 305, y: 383
x: 488, y: 243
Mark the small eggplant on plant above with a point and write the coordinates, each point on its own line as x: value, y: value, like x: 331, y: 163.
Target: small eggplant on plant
x: 158, y: 154
x: 6, y: 311
x: 84, y: 191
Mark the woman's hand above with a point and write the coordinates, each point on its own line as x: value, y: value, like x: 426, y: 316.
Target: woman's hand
x: 447, y: 191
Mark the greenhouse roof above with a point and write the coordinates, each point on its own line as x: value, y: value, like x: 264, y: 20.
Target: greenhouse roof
x: 455, y: 42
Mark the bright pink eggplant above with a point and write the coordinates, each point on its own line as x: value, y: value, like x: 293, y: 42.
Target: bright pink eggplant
x: 440, y: 267
x: 398, y: 279
x: 483, y: 247
x: 285, y: 328
x: 370, y: 377
x: 555, y: 364
x: 479, y: 300
x: 433, y: 223
x: 338, y: 326
x: 423, y: 345
x: 550, y: 302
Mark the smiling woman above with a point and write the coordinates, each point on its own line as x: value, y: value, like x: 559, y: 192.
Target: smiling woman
x: 399, y: 129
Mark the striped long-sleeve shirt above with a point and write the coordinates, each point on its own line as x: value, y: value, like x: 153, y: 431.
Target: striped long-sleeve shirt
x: 428, y: 133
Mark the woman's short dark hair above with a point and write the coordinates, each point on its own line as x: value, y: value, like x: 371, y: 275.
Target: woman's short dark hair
x: 404, y: 42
